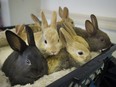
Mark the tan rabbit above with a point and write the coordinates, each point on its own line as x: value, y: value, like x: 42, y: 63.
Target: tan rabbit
x: 64, y: 14
x: 48, y: 40
x: 79, y: 52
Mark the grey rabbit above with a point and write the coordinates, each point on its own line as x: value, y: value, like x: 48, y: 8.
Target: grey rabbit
x: 96, y: 38
x: 25, y: 64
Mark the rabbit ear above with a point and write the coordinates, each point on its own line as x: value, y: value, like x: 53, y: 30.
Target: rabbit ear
x: 90, y: 28
x: 44, y: 21
x: 67, y: 36
x: 36, y: 20
x: 62, y: 38
x: 70, y: 29
x: 94, y: 21
x: 60, y: 12
x: 30, y: 36
x: 15, y: 42
x: 19, y: 29
x: 65, y: 12
x: 54, y: 19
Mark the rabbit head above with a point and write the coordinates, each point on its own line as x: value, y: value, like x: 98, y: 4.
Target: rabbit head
x: 78, y: 51
x: 26, y: 64
x: 64, y: 14
x: 50, y: 38
x: 97, y: 39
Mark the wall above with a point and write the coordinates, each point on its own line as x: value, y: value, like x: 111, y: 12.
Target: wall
x: 5, y: 12
x: 20, y: 10
x: 98, y: 7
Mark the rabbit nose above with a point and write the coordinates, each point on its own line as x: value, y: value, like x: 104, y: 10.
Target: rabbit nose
x: 53, y: 52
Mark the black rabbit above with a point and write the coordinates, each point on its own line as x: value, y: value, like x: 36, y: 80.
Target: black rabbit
x: 26, y: 64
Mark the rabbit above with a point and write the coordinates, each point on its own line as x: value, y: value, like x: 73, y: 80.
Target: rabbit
x: 58, y: 62
x: 26, y: 63
x: 78, y: 51
x: 64, y: 15
x: 48, y: 40
x: 96, y: 38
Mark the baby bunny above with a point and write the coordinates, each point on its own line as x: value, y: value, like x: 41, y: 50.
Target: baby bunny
x: 48, y: 40
x: 77, y: 50
x: 64, y: 14
x: 26, y: 64
x: 96, y: 38
x: 58, y: 62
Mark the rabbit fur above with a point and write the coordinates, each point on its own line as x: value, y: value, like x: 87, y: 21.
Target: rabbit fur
x: 71, y: 31
x: 64, y: 14
x: 25, y: 64
x: 78, y: 51
x: 96, y: 38
x: 60, y: 61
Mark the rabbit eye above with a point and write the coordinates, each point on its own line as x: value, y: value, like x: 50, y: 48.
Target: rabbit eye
x: 28, y: 62
x: 101, y: 39
x: 45, y: 41
x: 72, y: 22
x: 80, y: 53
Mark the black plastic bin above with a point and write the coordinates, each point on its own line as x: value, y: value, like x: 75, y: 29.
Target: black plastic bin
x: 77, y: 77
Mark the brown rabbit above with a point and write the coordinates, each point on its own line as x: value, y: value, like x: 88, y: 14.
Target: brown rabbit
x: 96, y: 38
